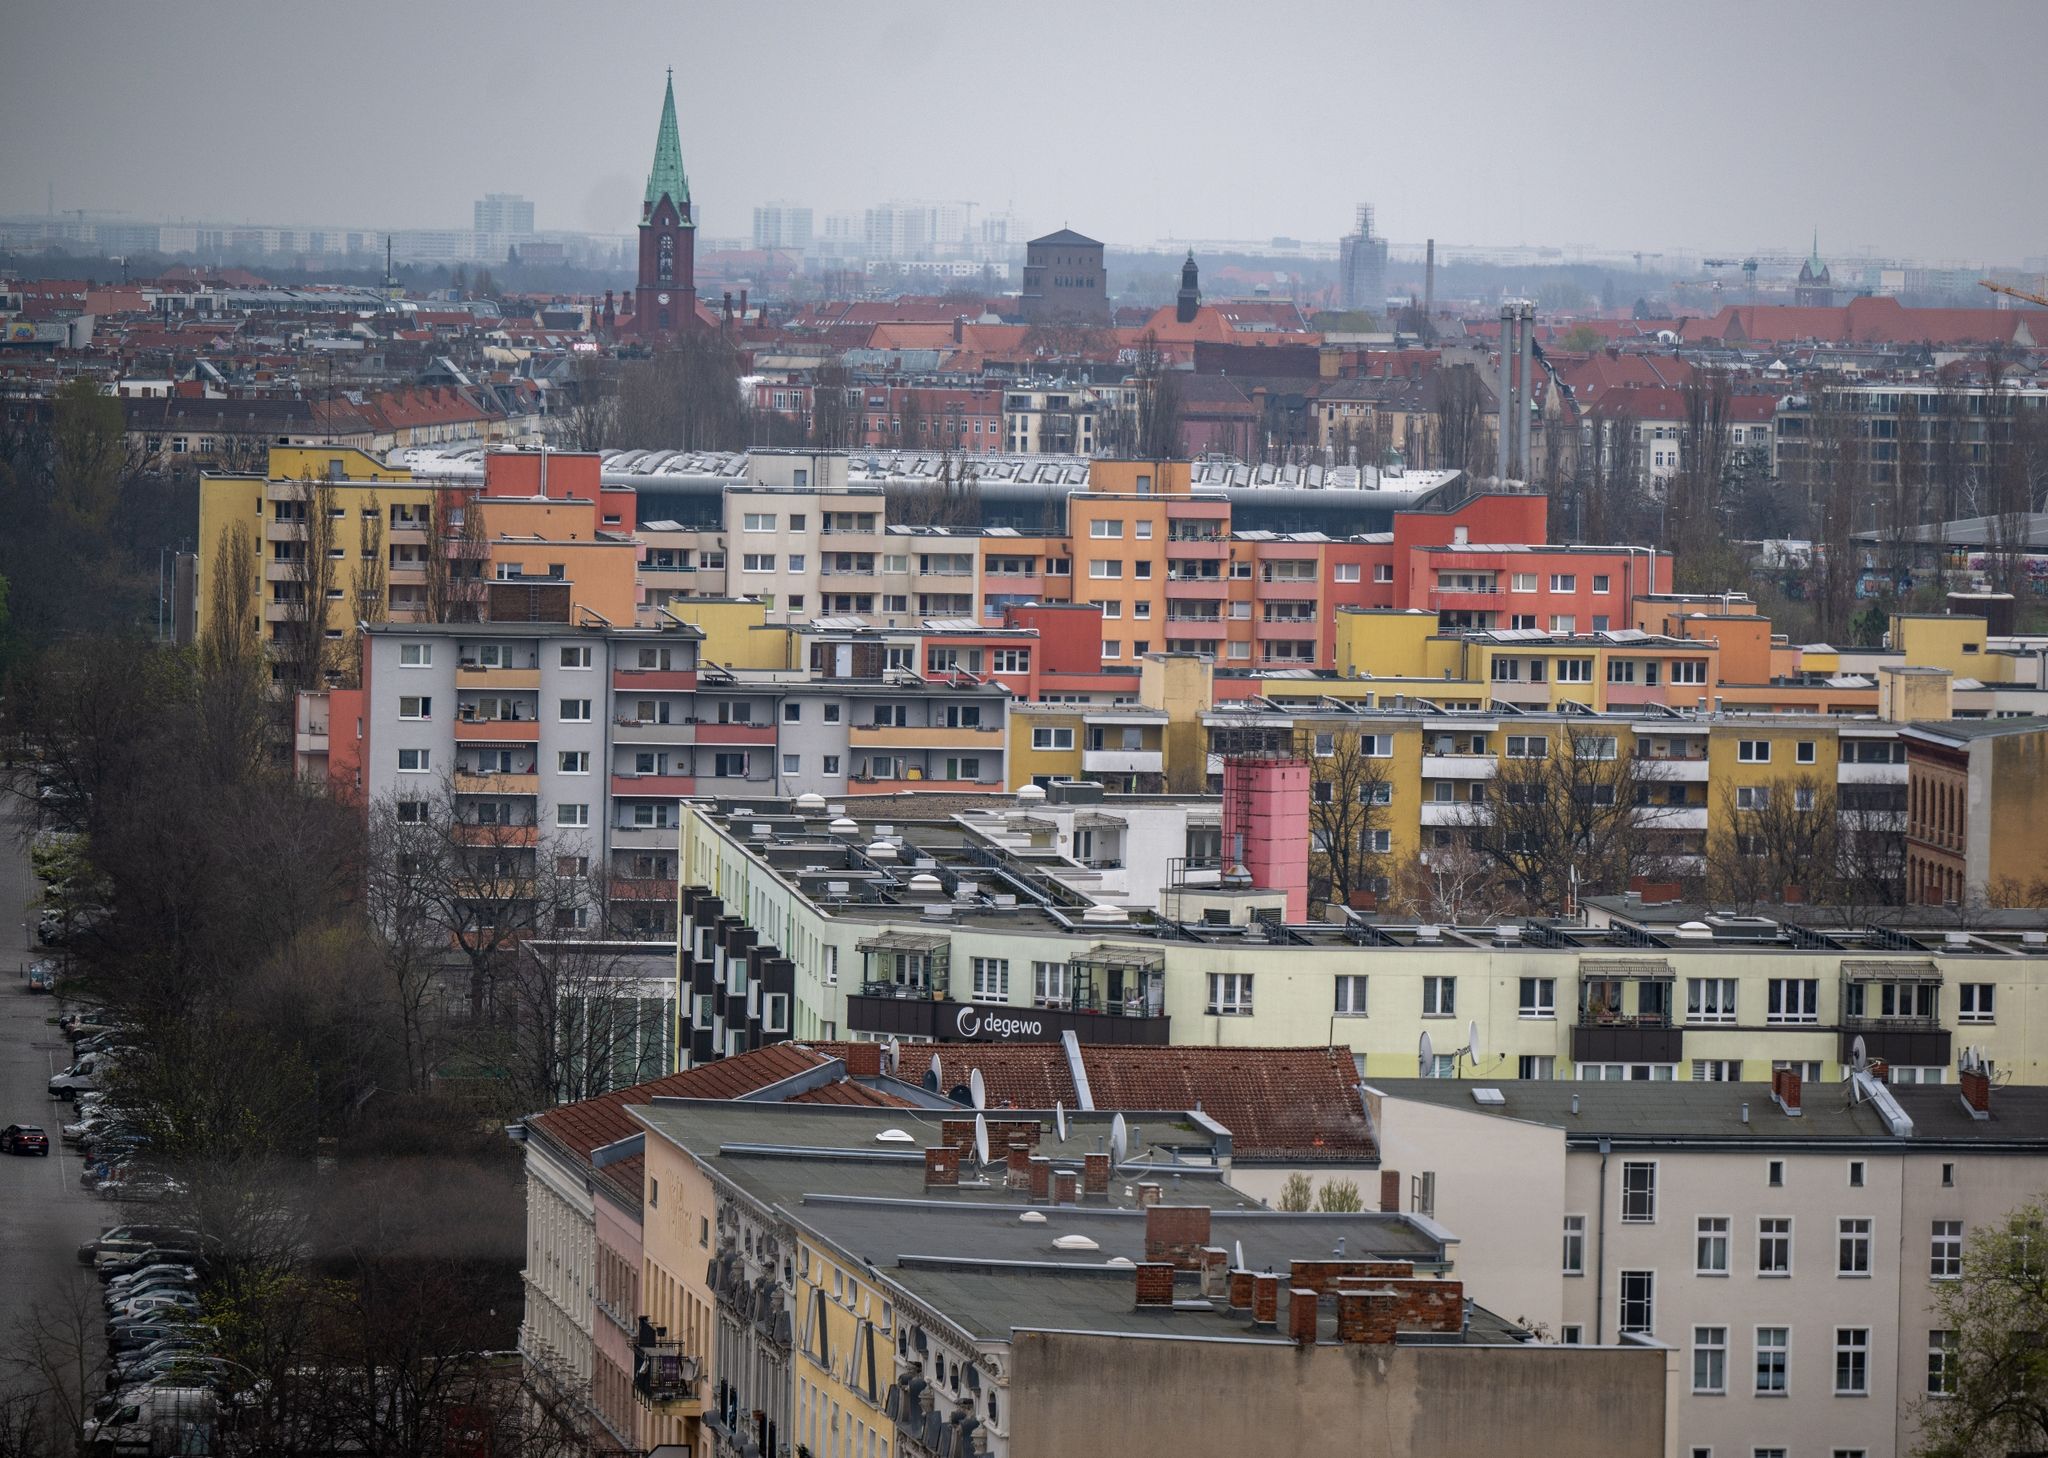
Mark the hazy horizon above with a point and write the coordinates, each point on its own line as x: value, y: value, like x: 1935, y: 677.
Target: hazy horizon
x: 1741, y: 126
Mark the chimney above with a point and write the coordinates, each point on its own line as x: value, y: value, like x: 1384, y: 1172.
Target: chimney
x: 1353, y: 1317
x: 1215, y: 1273
x: 1040, y: 1178
x: 1095, y: 1174
x: 743, y: 306
x: 1785, y: 1090
x: 862, y: 1060
x: 1155, y: 1284
x: 1017, y: 1170
x: 1976, y: 1086
x: 941, y: 1167
x: 1266, y: 1300
x: 1148, y: 1195
x: 1240, y: 1296
x: 1301, y: 1317
x: 1066, y: 1188
x: 959, y: 328
x: 1390, y: 1191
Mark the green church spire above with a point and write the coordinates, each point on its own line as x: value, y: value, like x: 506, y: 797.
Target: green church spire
x: 666, y: 176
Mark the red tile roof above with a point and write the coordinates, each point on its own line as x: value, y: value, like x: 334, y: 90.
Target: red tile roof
x: 846, y: 1091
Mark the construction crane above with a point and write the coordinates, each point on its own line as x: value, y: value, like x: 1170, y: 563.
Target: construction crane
x: 1999, y: 288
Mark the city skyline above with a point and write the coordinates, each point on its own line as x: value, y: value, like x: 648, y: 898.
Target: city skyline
x: 1431, y: 167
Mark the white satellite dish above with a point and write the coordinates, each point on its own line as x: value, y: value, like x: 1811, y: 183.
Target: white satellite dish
x: 976, y: 1089
x: 938, y: 1080
x: 1425, y: 1056
x: 1859, y: 1055
x: 1472, y: 1040
x: 981, y: 1139
x: 892, y: 1054
x: 1059, y: 1119
x: 1119, y: 1140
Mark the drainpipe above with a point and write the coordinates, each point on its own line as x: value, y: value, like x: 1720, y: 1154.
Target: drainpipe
x: 1600, y: 1252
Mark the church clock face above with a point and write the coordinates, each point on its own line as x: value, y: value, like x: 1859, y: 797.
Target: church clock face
x: 661, y: 298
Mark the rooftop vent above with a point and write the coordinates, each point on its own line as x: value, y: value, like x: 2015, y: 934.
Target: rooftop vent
x: 894, y: 1136
x: 810, y: 803
x: 881, y: 850
x: 924, y: 883
x: 1492, y: 1096
x: 843, y: 826
x: 1695, y: 931
x: 1105, y: 915
x: 1030, y: 794
x: 1075, y: 1242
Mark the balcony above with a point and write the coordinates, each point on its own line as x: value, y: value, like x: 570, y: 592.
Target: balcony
x: 1870, y: 774
x: 664, y: 1377
x: 643, y: 837
x: 276, y: 571
x: 987, y: 738
x: 1465, y: 597
x: 1288, y: 589
x: 654, y: 680
x: 1122, y: 761
x: 636, y: 731
x: 1614, y: 1027
x: 1197, y: 549
x: 480, y: 676
x: 408, y: 574
x: 743, y: 734
x: 467, y: 783
x: 1671, y: 817
x: 284, y: 531
x: 1286, y: 629
x: 1454, y: 813
x: 1200, y: 589
x: 663, y: 785
x: 1206, y: 629
x: 406, y: 534
x: 497, y: 731
x: 915, y: 780
x: 1458, y: 767
x: 523, y: 837
x: 1671, y: 770
x: 642, y: 888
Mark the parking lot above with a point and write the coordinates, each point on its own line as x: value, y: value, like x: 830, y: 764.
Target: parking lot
x: 44, y: 1213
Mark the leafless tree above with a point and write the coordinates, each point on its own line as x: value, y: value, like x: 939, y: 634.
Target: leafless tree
x: 1573, y: 819
x: 1696, y: 527
x: 1349, y: 791
x: 591, y: 421
x: 372, y: 601
x: 684, y: 397
x: 1836, y: 472
x: 304, y: 651
x: 1458, y: 417
x: 835, y: 418
x: 951, y: 498
x: 2012, y: 445
x: 1798, y: 839
x: 58, y: 1358
x: 1452, y: 885
x: 910, y: 422
x: 1905, y: 504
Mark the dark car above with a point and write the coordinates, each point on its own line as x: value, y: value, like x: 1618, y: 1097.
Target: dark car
x: 24, y: 1139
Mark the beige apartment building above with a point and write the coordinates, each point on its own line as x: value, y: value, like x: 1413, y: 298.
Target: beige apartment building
x: 1785, y: 1240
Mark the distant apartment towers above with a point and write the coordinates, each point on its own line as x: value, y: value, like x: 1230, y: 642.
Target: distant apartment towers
x: 1362, y: 265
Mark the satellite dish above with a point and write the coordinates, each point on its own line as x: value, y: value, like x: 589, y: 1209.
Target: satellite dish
x: 937, y: 1077
x: 976, y: 1089
x: 892, y: 1054
x: 1472, y: 1040
x: 930, y: 1080
x: 1859, y: 1055
x: 981, y: 1139
x: 1425, y: 1056
x: 1059, y: 1119
x: 1119, y: 1140
x: 960, y: 1095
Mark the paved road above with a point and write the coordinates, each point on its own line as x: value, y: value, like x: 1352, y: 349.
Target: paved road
x: 44, y: 1214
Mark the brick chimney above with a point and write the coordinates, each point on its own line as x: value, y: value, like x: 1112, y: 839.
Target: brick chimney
x: 1176, y: 1233
x: 1155, y: 1284
x: 1040, y: 1178
x: 1148, y: 1194
x: 862, y: 1060
x: 1785, y: 1090
x: 1976, y: 1086
x: 1301, y: 1317
x: 1241, y: 1290
x: 1265, y: 1300
x: 1390, y: 1191
x: 1353, y: 1320
x: 1215, y: 1273
x: 941, y: 1167
x: 1095, y: 1174
x: 1066, y: 1188
x: 1017, y: 1166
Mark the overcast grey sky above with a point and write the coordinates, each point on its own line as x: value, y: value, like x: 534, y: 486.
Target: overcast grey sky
x: 1895, y: 125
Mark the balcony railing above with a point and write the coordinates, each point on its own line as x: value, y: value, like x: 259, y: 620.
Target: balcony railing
x: 663, y: 1374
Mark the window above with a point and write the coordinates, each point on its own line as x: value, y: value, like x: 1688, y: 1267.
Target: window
x: 792, y: 713
x: 1043, y: 738
x: 1230, y: 994
x: 1142, y: 530
x: 575, y: 711
x: 1857, y: 1169
x: 1852, y: 1361
x: 1852, y: 1248
x: 1979, y: 1003
x: 1017, y: 660
x: 1752, y: 797
x: 1101, y: 527
x: 796, y: 522
x: 1753, y: 751
x: 1376, y: 746
x: 1941, y: 1375
x: 1773, y: 1353
x: 415, y: 655
x: 1575, y: 1245
x: 758, y: 521
x: 1710, y: 1359
x: 1570, y: 670
x: 1774, y: 1174
x: 1803, y: 798
x: 576, y: 655
x: 1638, y: 1301
x: 573, y: 762
x: 1710, y: 1246
x: 1536, y: 1065
x: 1383, y: 572
x: 1523, y: 581
x: 1807, y: 1069
x: 1793, y: 1000
x: 413, y: 761
x: 1439, y: 997
x: 1602, y: 583
x: 1106, y: 567
x: 1638, y: 1191
x: 572, y: 815
x: 1710, y: 999
x: 415, y: 706
x: 1351, y: 996
x: 1346, y: 572
x: 1948, y: 1176
x: 831, y: 764
x: 1945, y: 1261
x: 992, y: 979
x: 1802, y: 752
x: 1774, y: 1245
x: 1717, y: 1070
x: 1592, y: 746
x: 1049, y: 984
x: 1528, y: 746
x: 792, y: 764
x: 1539, y: 997
x: 1564, y: 582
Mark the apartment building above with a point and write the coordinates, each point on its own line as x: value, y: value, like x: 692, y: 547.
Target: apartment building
x: 925, y: 923
x: 1006, y: 1334
x: 1977, y: 810
x: 1786, y: 1240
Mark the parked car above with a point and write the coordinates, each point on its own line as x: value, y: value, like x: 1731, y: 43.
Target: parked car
x: 178, y: 1369
x: 126, y: 1264
x: 155, y: 1420
x: 132, y: 1334
x: 24, y: 1139
x: 120, y: 1373
x: 186, y: 1302
x: 42, y: 977
x: 162, y: 1271
x: 147, y: 1184
x: 79, y: 1077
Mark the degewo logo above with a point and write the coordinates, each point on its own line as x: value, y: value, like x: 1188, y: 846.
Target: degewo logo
x: 973, y: 1022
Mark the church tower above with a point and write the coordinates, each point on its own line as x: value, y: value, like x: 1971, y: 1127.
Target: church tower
x: 1189, y: 299
x: 665, y: 297
x: 1815, y: 286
